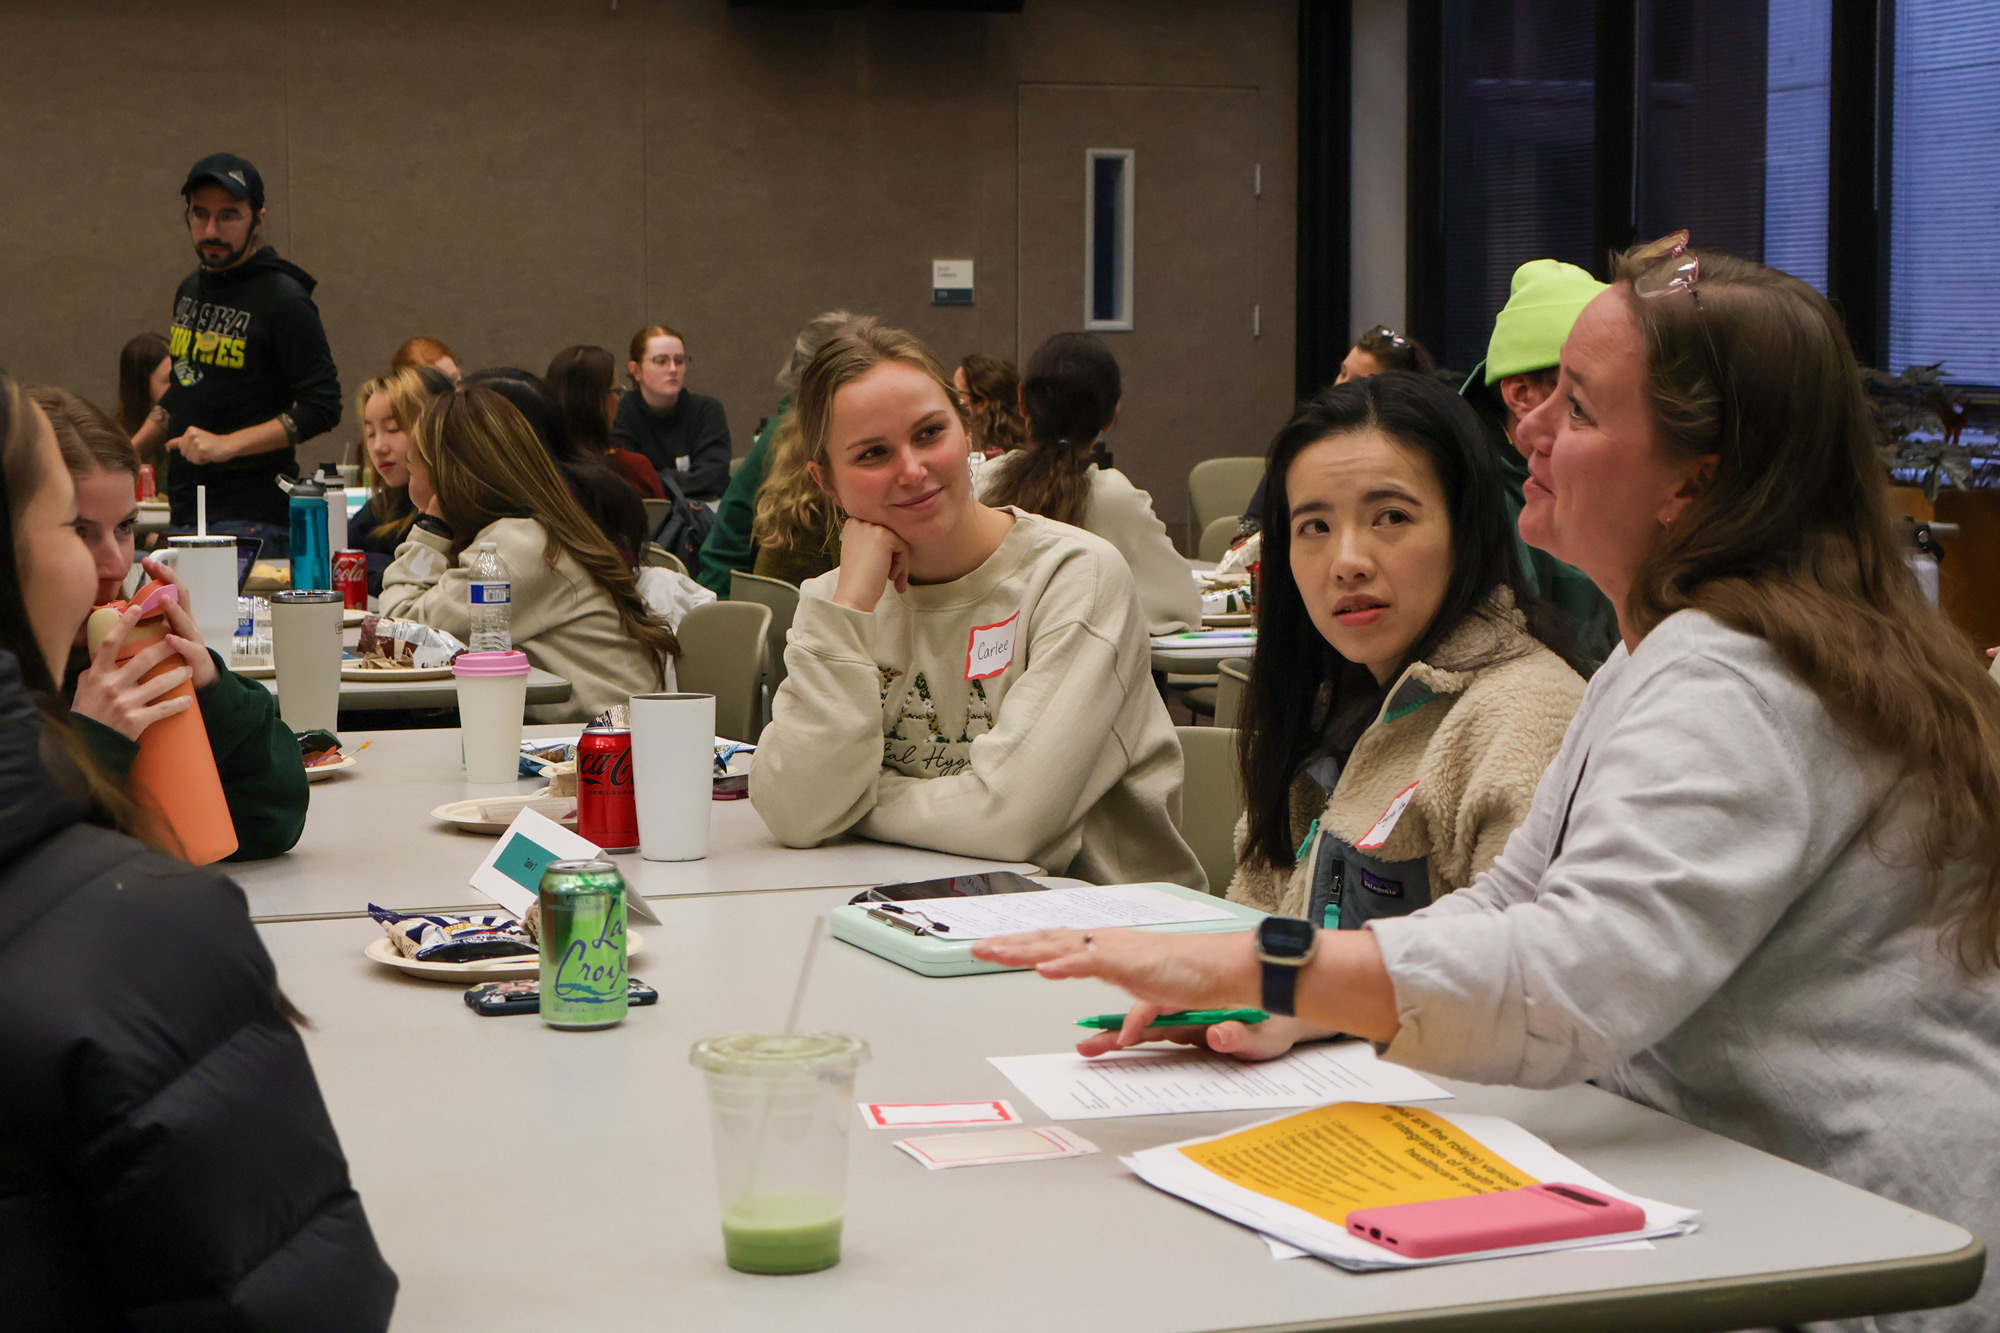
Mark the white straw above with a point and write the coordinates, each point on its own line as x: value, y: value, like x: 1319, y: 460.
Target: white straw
x: 805, y: 974
x: 201, y: 511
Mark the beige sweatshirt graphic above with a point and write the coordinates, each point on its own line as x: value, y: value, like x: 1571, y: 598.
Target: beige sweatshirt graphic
x: 1062, y: 756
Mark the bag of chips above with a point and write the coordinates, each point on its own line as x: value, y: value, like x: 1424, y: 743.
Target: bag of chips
x: 439, y: 937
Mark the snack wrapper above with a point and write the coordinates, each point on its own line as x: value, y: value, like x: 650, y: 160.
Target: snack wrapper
x: 439, y: 937
x: 388, y: 642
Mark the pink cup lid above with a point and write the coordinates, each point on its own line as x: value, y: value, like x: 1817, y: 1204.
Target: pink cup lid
x: 490, y: 664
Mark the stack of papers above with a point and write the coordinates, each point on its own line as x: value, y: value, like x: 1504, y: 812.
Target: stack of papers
x: 1170, y: 1080
x: 1207, y: 638
x: 1297, y: 1177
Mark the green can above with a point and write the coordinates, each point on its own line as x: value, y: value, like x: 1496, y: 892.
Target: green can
x: 583, y: 944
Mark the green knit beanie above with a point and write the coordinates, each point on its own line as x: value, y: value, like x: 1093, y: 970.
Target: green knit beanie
x: 1544, y: 300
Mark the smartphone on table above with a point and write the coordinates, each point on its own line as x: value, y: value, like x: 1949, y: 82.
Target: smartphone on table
x: 525, y: 996
x: 955, y: 886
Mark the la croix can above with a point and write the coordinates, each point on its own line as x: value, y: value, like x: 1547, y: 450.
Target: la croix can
x: 582, y: 936
x: 606, y: 812
x: 350, y: 579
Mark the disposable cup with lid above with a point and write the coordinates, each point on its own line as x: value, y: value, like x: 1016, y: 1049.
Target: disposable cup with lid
x: 492, y: 702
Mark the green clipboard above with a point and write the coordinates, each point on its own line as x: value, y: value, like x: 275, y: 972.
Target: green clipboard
x: 930, y: 956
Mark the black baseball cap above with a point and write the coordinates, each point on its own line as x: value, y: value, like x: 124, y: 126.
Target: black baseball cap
x: 232, y: 173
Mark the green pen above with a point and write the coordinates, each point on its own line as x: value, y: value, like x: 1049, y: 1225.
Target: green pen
x: 1186, y: 1018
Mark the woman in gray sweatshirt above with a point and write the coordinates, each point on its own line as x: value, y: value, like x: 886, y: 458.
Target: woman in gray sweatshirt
x: 1759, y: 887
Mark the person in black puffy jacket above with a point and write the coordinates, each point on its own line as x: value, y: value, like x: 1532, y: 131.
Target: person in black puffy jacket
x: 166, y: 1161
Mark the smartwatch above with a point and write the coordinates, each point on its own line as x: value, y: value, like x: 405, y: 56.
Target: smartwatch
x: 432, y: 524
x: 1284, y: 945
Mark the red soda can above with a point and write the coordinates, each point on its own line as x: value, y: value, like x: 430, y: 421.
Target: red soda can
x: 606, y: 812
x: 350, y: 579
x: 148, y: 487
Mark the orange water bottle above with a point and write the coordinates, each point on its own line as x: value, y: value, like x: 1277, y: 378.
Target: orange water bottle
x: 174, y: 777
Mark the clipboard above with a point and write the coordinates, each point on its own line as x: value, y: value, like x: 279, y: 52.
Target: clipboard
x: 929, y: 956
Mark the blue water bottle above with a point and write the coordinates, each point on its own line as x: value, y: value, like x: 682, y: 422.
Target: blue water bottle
x: 312, y: 561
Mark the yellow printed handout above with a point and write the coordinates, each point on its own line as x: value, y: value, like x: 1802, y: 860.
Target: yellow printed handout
x: 1333, y: 1159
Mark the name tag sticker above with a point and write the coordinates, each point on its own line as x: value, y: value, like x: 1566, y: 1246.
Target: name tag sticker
x: 991, y: 648
x: 1386, y: 825
x: 681, y: 462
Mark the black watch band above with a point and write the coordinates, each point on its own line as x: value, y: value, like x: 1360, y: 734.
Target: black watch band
x: 1284, y: 946
x: 433, y: 524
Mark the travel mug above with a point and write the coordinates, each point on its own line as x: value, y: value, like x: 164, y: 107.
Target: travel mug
x: 174, y: 776
x: 207, y: 569
x: 306, y: 650
x: 673, y: 773
x: 492, y: 700
x: 779, y: 1108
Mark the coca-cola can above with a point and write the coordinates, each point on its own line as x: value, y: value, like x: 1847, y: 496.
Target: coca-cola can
x: 606, y: 812
x: 148, y: 487
x: 350, y: 579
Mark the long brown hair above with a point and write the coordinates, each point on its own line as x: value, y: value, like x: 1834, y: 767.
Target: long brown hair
x: 1069, y: 395
x: 580, y: 379
x: 137, y: 360
x: 89, y: 440
x: 1791, y: 541
x: 102, y: 799
x: 487, y: 464
x: 993, y: 403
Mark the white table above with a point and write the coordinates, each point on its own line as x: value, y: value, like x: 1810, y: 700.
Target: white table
x: 543, y: 688
x: 1199, y: 659
x: 370, y: 838
x: 519, y: 1177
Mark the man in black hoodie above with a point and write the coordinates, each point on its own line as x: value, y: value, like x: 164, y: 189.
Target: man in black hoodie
x: 252, y: 375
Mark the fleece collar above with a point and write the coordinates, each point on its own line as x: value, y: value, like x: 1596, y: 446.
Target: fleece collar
x: 1496, y: 632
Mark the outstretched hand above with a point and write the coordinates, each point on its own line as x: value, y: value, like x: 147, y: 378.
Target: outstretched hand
x: 1163, y: 972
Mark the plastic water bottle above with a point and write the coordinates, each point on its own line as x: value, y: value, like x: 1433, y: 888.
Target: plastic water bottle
x: 492, y: 602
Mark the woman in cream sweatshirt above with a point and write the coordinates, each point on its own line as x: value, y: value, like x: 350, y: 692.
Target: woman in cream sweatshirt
x: 969, y: 679
x: 1070, y: 397
x: 478, y: 474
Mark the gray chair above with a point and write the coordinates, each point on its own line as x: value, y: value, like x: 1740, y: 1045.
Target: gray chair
x: 722, y: 653
x: 1221, y: 488
x: 1211, y: 800
x: 656, y: 515
x: 1231, y: 679
x: 783, y: 599
x: 1215, y: 538
x: 656, y: 556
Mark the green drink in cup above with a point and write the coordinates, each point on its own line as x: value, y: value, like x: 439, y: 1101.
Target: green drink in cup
x: 780, y: 1109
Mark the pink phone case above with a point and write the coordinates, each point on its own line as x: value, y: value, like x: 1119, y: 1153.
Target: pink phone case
x: 1530, y: 1216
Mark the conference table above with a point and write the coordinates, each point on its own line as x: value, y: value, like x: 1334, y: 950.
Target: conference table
x: 517, y: 1176
x: 544, y: 687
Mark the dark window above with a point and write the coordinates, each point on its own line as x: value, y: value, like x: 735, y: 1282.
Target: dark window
x: 1796, y: 138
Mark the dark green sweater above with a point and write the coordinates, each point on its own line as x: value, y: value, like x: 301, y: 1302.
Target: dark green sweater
x: 257, y: 756
x: 728, y: 547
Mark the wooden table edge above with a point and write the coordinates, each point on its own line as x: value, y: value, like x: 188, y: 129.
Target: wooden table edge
x: 1844, y: 1291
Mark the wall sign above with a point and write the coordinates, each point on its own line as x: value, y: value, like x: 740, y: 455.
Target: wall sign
x: 951, y: 282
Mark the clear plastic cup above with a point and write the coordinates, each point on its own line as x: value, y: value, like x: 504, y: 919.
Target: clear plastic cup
x: 780, y: 1108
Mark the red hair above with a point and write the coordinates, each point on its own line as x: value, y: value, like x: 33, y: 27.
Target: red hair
x: 417, y: 352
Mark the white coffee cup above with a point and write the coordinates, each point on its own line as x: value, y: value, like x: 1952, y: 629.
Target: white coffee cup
x: 306, y: 650
x: 207, y: 570
x: 492, y: 700
x: 673, y: 768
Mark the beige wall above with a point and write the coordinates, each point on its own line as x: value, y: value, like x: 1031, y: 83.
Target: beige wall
x: 516, y: 175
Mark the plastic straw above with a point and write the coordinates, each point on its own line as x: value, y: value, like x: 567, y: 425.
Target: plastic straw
x: 805, y: 974
x: 201, y: 511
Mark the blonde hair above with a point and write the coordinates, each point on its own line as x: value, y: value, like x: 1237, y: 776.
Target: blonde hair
x: 793, y: 512
x: 487, y: 464
x: 410, y: 391
x: 814, y: 335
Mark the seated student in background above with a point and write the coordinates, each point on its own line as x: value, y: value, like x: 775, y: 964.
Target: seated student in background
x: 972, y: 680
x: 426, y: 354
x: 1376, y: 352
x: 169, y: 1161
x: 991, y: 391
x: 681, y: 433
x: 728, y: 546
x: 1517, y: 376
x: 583, y: 381
x: 1399, y: 650
x: 256, y: 755
x: 1070, y: 397
x: 1759, y: 888
x: 144, y: 372
x: 478, y: 474
x: 388, y: 409
x: 605, y: 497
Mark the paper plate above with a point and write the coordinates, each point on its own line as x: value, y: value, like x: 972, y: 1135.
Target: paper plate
x: 355, y: 671
x: 352, y: 616
x: 328, y: 770
x: 518, y: 967
x: 466, y: 814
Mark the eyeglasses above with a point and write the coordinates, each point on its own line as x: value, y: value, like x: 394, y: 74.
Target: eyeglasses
x: 1666, y: 265
x: 665, y: 360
